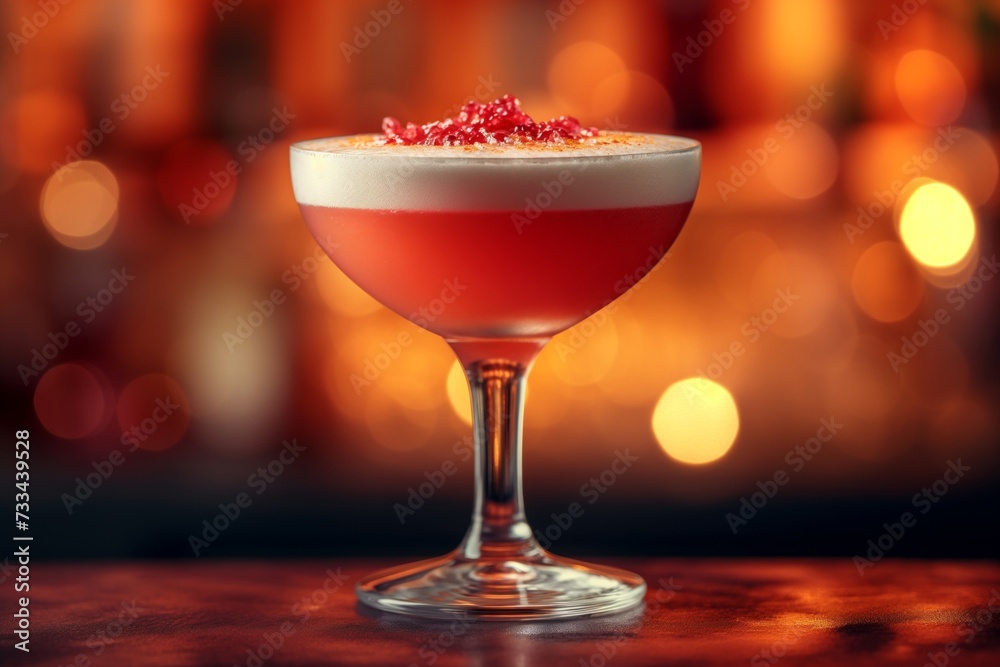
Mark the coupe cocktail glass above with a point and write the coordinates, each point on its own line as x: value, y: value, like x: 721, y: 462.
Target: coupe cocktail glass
x: 497, y: 249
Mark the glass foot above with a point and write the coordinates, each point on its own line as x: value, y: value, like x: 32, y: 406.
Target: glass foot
x: 539, y: 587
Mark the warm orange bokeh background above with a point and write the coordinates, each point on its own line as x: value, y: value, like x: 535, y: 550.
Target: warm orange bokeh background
x: 828, y: 129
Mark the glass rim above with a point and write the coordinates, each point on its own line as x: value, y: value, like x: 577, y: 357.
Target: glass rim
x: 674, y: 145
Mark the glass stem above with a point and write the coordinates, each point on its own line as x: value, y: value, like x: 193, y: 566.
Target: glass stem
x: 499, y: 529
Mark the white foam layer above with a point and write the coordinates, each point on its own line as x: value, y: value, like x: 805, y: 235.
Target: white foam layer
x: 617, y: 170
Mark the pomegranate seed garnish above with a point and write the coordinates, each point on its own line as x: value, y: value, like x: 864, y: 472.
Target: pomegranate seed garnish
x: 497, y: 122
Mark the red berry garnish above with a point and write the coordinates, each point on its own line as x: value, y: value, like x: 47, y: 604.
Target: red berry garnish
x: 497, y: 122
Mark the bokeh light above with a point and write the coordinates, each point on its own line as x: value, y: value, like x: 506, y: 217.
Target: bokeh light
x: 881, y: 158
x: 970, y: 166
x: 153, y: 412
x: 79, y: 204
x: 396, y: 427
x: 72, y: 401
x: 574, y: 73
x: 937, y: 225
x: 457, y: 386
x: 586, y: 352
x: 930, y: 87
x: 235, y: 380
x: 410, y: 391
x: 633, y: 99
x: 802, y: 42
x: 342, y: 294
x: 876, y: 155
x: 696, y: 421
x: 885, y: 283
x: 410, y: 374
x: 806, y: 166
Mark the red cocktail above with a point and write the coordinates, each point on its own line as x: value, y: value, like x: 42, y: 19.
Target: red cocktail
x: 490, y: 274
x: 497, y: 233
